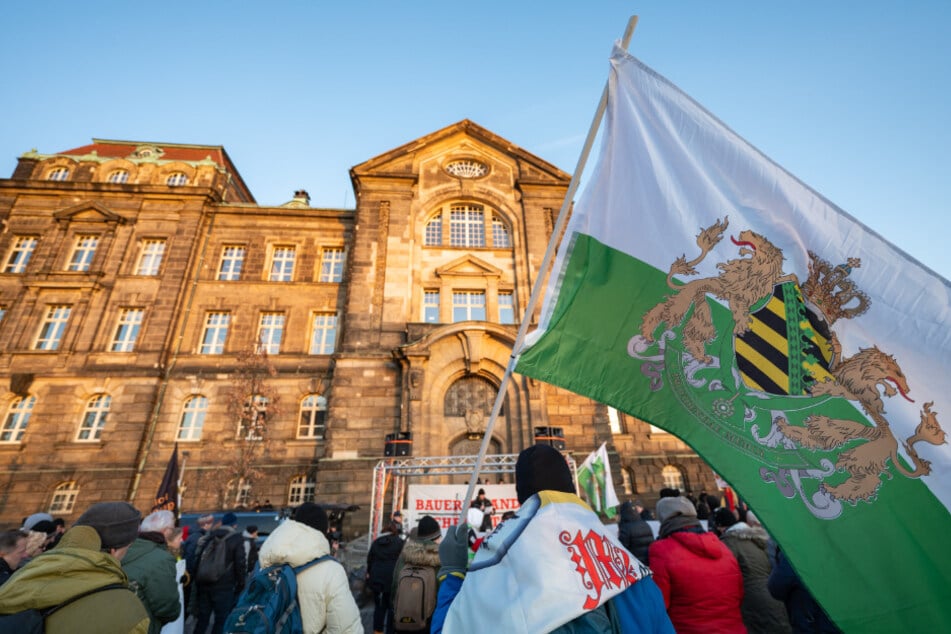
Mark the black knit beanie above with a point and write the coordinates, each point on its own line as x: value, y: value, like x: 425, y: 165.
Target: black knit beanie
x: 428, y: 529
x: 312, y: 515
x: 541, y: 468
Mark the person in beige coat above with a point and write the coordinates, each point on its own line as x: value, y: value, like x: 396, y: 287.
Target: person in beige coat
x: 323, y: 590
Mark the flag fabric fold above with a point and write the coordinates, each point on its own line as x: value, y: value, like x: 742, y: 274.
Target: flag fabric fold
x: 594, y: 478
x: 705, y: 290
x: 166, y: 499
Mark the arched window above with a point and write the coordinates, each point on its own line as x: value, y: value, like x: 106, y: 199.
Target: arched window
x: 193, y: 418
x: 94, y: 418
x: 118, y: 177
x: 673, y: 477
x: 470, y: 394
x: 176, y: 179
x: 302, y: 489
x: 64, y: 498
x: 253, y: 426
x: 313, y: 417
x: 627, y: 481
x: 58, y: 174
x: 18, y: 416
x: 501, y: 237
x: 433, y: 235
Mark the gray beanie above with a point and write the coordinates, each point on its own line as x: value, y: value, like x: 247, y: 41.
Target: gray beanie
x: 668, y: 507
x: 116, y: 522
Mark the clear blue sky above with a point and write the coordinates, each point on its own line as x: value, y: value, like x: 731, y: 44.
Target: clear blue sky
x: 852, y: 97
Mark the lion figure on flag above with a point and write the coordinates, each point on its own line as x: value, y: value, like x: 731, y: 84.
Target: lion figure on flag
x: 858, y: 378
x: 741, y: 283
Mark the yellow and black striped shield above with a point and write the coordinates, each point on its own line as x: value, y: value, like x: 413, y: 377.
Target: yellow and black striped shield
x: 786, y: 350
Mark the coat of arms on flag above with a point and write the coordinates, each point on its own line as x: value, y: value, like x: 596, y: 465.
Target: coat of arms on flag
x: 594, y: 478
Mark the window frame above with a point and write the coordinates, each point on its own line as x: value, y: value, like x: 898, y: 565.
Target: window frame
x: 214, y: 333
x: 323, y: 346
x: 312, y: 417
x: 21, y: 252
x: 58, y: 174
x: 151, y: 255
x: 119, y: 176
x: 127, y: 330
x: 49, y: 336
x: 332, y: 260
x: 274, y: 331
x: 192, y: 419
x: 63, y: 500
x: 430, y: 308
x: 17, y: 419
x: 467, y: 226
x: 83, y: 254
x: 302, y: 488
x: 282, y: 268
x: 231, y: 265
x: 176, y: 179
x: 95, y: 416
x: 506, y: 307
x: 468, y: 306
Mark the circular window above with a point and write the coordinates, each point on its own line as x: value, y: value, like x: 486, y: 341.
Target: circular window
x: 467, y: 168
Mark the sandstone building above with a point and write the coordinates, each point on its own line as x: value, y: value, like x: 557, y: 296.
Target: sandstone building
x: 134, y: 275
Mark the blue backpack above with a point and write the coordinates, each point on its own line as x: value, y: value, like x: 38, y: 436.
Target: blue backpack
x: 268, y: 604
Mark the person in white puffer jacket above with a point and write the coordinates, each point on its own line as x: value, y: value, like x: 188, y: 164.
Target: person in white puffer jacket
x: 323, y: 590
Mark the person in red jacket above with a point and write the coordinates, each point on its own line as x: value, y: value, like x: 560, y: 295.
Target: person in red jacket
x: 698, y: 576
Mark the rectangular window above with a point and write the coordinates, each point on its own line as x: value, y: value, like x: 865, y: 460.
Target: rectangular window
x: 323, y: 337
x: 52, y: 328
x: 431, y: 307
x: 468, y: 306
x: 506, y: 308
x: 20, y: 254
x: 83, y: 252
x: 127, y: 329
x: 151, y: 253
x: 466, y: 226
x: 216, y: 331
x: 232, y: 261
x: 282, y: 264
x: 270, y: 332
x: 331, y: 265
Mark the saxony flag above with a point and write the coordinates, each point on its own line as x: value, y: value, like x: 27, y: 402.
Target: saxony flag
x: 594, y: 478
x: 707, y: 291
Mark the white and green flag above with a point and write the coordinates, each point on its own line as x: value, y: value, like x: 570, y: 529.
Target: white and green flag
x: 594, y: 478
x: 705, y: 290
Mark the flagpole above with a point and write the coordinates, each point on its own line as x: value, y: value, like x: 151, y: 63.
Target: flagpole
x: 545, y: 264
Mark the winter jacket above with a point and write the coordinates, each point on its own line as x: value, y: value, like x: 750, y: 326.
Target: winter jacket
x: 416, y: 553
x: 762, y: 614
x: 634, y: 533
x: 700, y: 580
x: 381, y: 561
x: 237, y: 564
x: 323, y: 590
x: 151, y: 571
x: 805, y: 615
x: 250, y: 549
x: 76, y: 566
x: 5, y: 570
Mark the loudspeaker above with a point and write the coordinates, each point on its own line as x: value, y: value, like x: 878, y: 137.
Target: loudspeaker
x: 554, y: 436
x: 399, y: 444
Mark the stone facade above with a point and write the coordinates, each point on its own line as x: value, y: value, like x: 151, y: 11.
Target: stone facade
x: 134, y: 276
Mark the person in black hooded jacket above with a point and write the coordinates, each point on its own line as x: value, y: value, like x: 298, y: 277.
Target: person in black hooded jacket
x: 634, y: 533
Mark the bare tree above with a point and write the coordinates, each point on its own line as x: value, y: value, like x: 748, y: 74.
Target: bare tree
x: 252, y: 403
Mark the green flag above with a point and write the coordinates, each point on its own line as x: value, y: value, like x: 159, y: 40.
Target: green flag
x: 594, y: 478
x: 785, y: 355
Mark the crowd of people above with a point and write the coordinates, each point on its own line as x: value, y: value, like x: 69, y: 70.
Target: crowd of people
x: 115, y: 571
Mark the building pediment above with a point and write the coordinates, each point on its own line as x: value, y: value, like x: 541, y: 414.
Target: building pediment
x: 468, y: 266
x: 88, y: 212
x: 470, y: 139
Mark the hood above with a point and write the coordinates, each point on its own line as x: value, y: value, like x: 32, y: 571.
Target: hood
x: 293, y: 543
x: 421, y: 553
x: 706, y: 545
x: 744, y: 531
x: 628, y: 513
x: 223, y: 531
x: 74, y: 566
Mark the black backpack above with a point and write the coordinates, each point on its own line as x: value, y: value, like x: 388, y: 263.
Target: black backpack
x: 213, y: 562
x: 34, y: 621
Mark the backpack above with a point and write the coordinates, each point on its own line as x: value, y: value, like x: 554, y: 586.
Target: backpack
x: 415, y: 598
x: 213, y: 563
x: 268, y: 604
x: 34, y: 621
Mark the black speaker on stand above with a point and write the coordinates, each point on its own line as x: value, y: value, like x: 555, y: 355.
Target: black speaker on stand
x: 399, y: 444
x: 554, y: 436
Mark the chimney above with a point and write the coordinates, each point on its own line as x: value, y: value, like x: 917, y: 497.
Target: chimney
x: 302, y: 196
